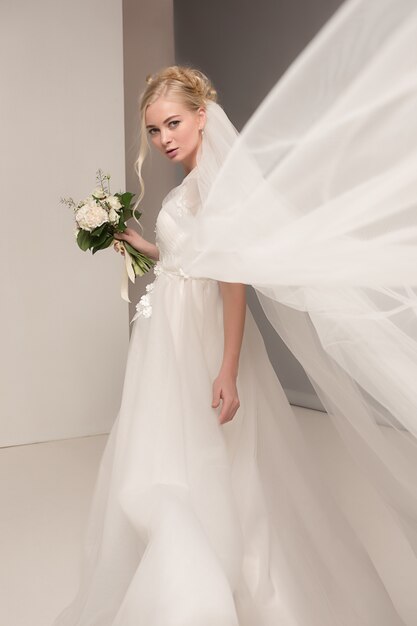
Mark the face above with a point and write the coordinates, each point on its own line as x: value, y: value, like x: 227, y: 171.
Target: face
x: 175, y: 131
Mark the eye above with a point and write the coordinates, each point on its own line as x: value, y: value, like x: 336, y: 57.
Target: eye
x: 176, y: 122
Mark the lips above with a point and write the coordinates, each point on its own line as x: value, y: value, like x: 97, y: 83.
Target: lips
x: 171, y: 153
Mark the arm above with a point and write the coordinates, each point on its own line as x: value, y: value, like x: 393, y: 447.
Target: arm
x: 234, y: 312
x: 139, y: 243
x: 150, y: 249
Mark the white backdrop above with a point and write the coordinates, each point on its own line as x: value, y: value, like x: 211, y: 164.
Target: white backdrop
x: 61, y: 67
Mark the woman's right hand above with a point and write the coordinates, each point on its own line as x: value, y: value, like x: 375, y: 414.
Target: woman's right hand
x: 132, y: 237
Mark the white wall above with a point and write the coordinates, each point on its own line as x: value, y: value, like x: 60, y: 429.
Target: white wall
x: 64, y: 326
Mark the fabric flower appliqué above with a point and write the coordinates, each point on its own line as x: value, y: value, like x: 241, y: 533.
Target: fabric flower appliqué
x: 157, y: 269
x: 144, y: 306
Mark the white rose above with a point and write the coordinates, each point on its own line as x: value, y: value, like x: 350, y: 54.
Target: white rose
x: 99, y: 193
x: 114, y: 202
x: 88, y: 200
x: 113, y: 216
x: 90, y: 216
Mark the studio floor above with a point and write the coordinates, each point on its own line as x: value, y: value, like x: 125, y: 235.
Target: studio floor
x: 45, y: 491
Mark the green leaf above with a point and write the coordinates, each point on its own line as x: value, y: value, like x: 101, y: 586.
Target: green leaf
x: 103, y: 237
x: 122, y: 218
x: 84, y: 239
x: 107, y: 243
x: 104, y: 244
x: 141, y: 262
x: 97, y: 231
x: 126, y: 198
x: 131, y: 249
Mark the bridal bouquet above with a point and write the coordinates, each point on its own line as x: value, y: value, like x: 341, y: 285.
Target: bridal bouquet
x: 102, y: 214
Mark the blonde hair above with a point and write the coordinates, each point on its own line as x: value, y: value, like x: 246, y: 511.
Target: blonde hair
x: 185, y: 84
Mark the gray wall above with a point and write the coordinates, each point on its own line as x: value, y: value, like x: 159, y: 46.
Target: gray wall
x: 148, y: 45
x: 244, y: 47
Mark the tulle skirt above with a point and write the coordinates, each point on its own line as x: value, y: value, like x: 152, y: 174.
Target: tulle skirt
x: 194, y: 523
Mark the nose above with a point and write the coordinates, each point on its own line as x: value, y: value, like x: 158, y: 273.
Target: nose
x: 165, y: 137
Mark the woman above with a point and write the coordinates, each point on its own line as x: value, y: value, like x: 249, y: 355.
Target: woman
x: 221, y: 518
x: 179, y: 531
x: 179, y: 136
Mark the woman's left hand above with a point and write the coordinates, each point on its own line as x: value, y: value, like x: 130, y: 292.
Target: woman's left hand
x: 224, y: 387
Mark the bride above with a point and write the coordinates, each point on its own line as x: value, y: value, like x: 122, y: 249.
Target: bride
x: 210, y: 508
x: 175, y: 124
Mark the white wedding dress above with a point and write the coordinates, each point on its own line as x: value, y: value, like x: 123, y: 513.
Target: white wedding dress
x: 180, y: 531
x: 194, y: 523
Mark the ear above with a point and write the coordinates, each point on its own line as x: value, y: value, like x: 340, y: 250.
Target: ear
x: 202, y: 117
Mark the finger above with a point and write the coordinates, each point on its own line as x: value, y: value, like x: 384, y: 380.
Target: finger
x: 225, y: 412
x: 225, y: 418
x: 216, y: 398
x: 229, y: 411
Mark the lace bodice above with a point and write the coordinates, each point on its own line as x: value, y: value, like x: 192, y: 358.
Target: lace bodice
x: 171, y: 231
x: 173, y: 221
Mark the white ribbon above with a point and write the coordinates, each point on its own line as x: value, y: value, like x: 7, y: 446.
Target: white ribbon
x: 128, y: 271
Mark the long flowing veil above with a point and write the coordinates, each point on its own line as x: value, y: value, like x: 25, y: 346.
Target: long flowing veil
x: 314, y: 205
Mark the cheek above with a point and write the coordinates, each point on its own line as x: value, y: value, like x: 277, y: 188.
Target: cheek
x: 187, y: 136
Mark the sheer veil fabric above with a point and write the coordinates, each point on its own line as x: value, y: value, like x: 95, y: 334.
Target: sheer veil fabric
x: 314, y: 205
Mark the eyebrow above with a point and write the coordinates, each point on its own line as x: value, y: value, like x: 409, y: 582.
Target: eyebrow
x: 164, y: 122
